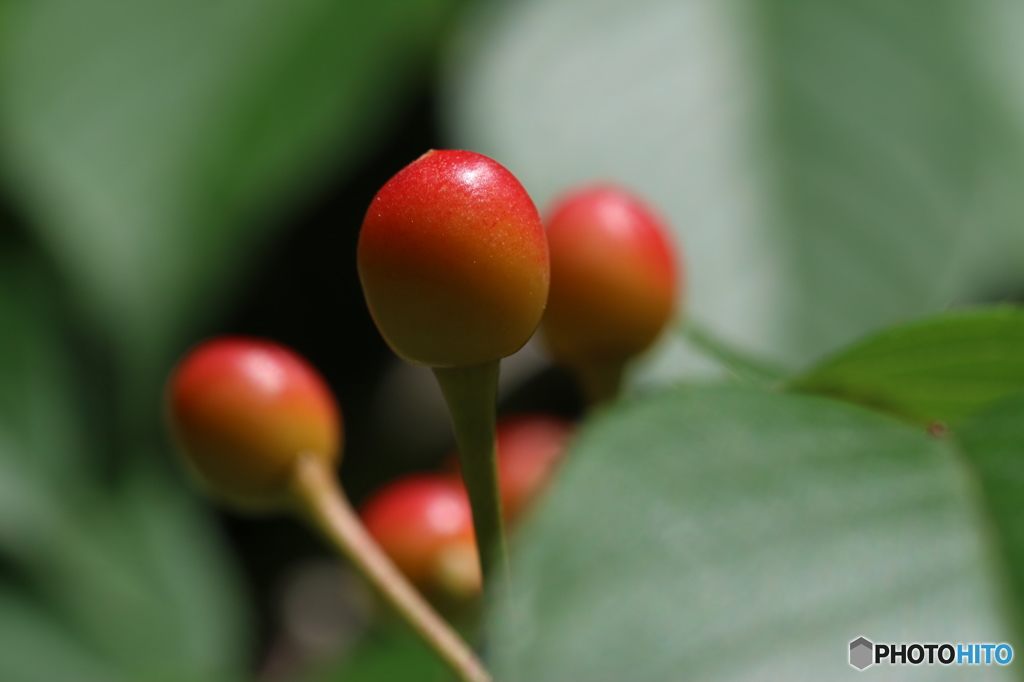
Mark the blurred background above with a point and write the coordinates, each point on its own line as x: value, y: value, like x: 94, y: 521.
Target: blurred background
x: 172, y: 170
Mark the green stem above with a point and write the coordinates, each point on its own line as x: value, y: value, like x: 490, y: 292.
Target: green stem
x: 471, y: 394
x: 322, y: 500
x: 745, y: 368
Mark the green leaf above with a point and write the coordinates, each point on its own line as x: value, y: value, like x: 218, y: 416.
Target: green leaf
x: 152, y: 143
x: 42, y: 440
x: 28, y: 506
x: 993, y: 443
x: 816, y: 157
x: 996, y: 243
x: 183, y: 558
x: 36, y: 649
x: 37, y: 406
x: 140, y: 578
x: 938, y: 369
x: 135, y: 580
x: 731, y: 534
x: 385, y: 655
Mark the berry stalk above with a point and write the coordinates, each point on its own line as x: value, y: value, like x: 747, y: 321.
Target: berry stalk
x: 324, y: 503
x: 471, y: 394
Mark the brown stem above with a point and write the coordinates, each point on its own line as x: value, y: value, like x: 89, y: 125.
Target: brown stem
x: 325, y: 504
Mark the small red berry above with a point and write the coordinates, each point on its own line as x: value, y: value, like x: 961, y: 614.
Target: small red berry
x: 454, y: 261
x: 424, y: 524
x: 243, y: 410
x: 613, y: 277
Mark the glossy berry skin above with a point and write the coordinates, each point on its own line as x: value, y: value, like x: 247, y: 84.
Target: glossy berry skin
x: 423, y: 522
x: 613, y: 277
x: 453, y: 261
x: 243, y: 409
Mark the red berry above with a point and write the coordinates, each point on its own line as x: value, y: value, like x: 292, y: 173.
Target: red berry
x: 613, y: 277
x: 424, y: 524
x: 243, y: 410
x: 453, y: 261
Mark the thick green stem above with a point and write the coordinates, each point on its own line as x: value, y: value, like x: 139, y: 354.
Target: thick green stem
x: 321, y: 499
x: 471, y: 394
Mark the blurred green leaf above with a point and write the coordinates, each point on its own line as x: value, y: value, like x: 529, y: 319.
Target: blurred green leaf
x: 385, y: 655
x: 994, y: 247
x: 28, y: 505
x: 182, y: 555
x: 731, y: 534
x: 993, y: 442
x: 42, y: 440
x: 816, y: 157
x: 151, y: 143
x: 33, y: 648
x: 37, y: 406
x: 141, y: 579
x: 938, y: 369
x: 134, y: 579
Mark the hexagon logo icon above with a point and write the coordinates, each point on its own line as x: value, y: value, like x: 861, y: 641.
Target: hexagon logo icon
x: 860, y: 653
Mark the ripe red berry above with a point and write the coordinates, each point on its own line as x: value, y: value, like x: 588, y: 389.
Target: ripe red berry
x: 453, y: 261
x: 613, y: 277
x: 424, y: 524
x: 243, y: 410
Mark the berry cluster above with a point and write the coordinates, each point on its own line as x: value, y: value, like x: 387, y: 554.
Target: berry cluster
x: 458, y: 271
